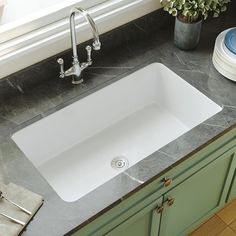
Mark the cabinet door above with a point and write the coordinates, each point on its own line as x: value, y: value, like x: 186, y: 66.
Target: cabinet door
x: 143, y: 223
x: 196, y: 198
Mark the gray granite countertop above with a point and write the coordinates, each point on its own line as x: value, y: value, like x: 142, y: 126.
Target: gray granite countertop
x: 20, y: 106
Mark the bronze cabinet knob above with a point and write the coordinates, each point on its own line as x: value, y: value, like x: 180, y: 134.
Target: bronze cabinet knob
x: 167, y: 182
x: 170, y: 201
x: 160, y: 209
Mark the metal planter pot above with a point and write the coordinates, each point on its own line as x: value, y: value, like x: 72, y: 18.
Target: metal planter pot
x: 187, y: 35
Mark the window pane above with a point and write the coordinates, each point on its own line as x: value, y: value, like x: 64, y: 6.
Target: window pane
x: 22, y: 16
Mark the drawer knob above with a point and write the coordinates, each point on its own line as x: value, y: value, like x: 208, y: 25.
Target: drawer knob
x: 167, y: 182
x: 160, y: 209
x: 170, y: 201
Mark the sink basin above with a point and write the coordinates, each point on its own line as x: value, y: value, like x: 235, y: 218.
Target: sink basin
x: 83, y: 145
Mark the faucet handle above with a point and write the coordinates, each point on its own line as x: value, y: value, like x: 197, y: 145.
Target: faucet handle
x: 89, y: 52
x: 60, y: 61
x: 96, y: 45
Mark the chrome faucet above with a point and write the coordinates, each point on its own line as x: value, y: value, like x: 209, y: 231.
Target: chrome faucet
x: 77, y: 67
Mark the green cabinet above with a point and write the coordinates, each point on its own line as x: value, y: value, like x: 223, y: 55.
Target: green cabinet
x: 195, y: 198
x: 200, y: 185
x: 144, y: 222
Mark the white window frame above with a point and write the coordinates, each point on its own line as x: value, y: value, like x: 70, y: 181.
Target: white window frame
x: 42, y: 18
x: 2, y: 4
x: 36, y: 45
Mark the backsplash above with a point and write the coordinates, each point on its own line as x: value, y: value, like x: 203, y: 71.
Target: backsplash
x: 137, y: 30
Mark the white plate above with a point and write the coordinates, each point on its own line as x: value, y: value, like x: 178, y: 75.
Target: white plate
x: 224, y: 64
x: 221, y: 70
x: 222, y: 50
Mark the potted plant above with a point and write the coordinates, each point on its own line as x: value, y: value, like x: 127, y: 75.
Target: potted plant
x: 189, y: 16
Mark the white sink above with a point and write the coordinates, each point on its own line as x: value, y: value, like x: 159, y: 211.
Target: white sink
x: 131, y: 118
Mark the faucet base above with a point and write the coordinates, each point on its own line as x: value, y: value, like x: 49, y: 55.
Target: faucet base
x: 76, y: 69
x: 77, y: 80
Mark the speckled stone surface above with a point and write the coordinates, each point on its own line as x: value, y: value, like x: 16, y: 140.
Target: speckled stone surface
x: 36, y: 92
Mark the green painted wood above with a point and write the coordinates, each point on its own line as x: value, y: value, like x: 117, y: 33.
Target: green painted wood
x: 155, y: 224
x: 223, y: 200
x: 152, y: 191
x: 144, y: 223
x: 140, y: 227
x: 196, y: 197
x: 113, y: 218
x: 232, y: 191
x: 232, y: 194
x: 230, y: 184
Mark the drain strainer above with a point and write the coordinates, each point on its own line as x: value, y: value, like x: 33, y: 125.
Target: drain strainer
x: 119, y: 163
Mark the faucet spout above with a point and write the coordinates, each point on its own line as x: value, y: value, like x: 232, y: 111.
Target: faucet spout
x: 96, y: 41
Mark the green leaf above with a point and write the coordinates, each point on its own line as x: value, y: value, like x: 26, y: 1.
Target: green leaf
x: 193, y: 9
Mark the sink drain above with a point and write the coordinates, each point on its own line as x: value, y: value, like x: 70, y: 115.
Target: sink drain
x: 119, y: 163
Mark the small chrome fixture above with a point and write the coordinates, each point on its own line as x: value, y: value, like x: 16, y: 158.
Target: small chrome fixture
x: 77, y: 67
x: 119, y: 162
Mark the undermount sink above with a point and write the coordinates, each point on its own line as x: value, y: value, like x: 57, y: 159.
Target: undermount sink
x: 83, y: 145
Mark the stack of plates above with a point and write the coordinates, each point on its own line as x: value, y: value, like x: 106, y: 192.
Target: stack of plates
x: 224, y: 56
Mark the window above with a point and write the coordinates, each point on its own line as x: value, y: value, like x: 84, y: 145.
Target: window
x: 22, y: 16
x: 43, y: 30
